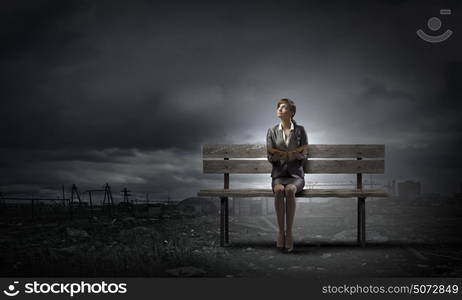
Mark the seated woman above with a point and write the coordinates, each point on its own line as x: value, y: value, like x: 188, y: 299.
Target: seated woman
x: 287, y: 149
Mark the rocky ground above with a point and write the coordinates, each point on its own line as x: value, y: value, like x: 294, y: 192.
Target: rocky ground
x: 403, y: 240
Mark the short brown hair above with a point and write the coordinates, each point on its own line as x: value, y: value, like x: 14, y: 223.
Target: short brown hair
x: 290, y: 104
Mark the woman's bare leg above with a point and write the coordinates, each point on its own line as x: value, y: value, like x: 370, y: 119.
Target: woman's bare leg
x: 290, y: 191
x: 280, y: 212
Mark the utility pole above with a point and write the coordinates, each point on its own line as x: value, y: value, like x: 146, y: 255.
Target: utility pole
x: 74, y: 192
x: 126, y: 194
x: 64, y: 203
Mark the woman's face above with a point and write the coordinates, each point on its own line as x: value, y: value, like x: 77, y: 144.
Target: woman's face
x: 283, y: 111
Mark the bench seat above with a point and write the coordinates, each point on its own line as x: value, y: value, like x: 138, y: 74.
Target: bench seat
x: 306, y: 193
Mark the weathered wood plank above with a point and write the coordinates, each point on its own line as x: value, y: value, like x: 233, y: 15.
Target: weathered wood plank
x: 310, y: 166
x: 306, y: 193
x: 314, y: 151
x: 233, y: 151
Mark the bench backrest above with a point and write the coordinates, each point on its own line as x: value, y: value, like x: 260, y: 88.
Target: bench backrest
x: 252, y: 159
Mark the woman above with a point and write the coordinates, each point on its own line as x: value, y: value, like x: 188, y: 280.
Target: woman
x: 287, y: 149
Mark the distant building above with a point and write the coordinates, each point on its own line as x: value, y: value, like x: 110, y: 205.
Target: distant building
x: 409, y: 189
x: 392, y: 188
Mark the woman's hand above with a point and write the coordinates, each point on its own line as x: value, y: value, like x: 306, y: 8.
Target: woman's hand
x: 294, y: 155
x: 299, y: 155
x: 279, y: 155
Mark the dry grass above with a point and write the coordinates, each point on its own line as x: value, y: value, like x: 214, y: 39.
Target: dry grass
x: 123, y: 246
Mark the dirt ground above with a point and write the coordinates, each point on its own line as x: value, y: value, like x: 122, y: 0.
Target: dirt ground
x: 403, y: 240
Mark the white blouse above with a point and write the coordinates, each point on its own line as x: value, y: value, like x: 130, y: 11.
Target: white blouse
x: 286, y: 138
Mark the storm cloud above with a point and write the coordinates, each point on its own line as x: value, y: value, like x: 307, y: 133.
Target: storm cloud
x: 127, y: 93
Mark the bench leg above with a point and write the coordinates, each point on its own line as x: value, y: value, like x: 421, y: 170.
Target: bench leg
x: 222, y: 221
x: 361, y: 238
x: 226, y: 220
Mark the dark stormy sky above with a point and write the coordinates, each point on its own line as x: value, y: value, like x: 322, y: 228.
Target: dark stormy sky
x: 126, y: 92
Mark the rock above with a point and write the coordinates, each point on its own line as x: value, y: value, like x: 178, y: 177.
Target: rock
x: 64, y: 251
x: 186, y: 272
x: 76, y: 233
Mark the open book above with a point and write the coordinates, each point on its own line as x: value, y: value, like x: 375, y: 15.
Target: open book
x: 298, y: 153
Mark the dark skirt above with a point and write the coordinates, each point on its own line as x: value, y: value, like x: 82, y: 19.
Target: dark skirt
x: 297, y: 181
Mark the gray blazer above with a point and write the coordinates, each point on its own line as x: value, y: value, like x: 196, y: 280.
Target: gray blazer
x: 275, y: 139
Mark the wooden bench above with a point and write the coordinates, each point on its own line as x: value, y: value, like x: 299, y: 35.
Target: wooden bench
x: 252, y: 159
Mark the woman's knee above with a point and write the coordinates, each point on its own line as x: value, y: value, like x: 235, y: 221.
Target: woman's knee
x: 279, y: 189
x: 290, y: 188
